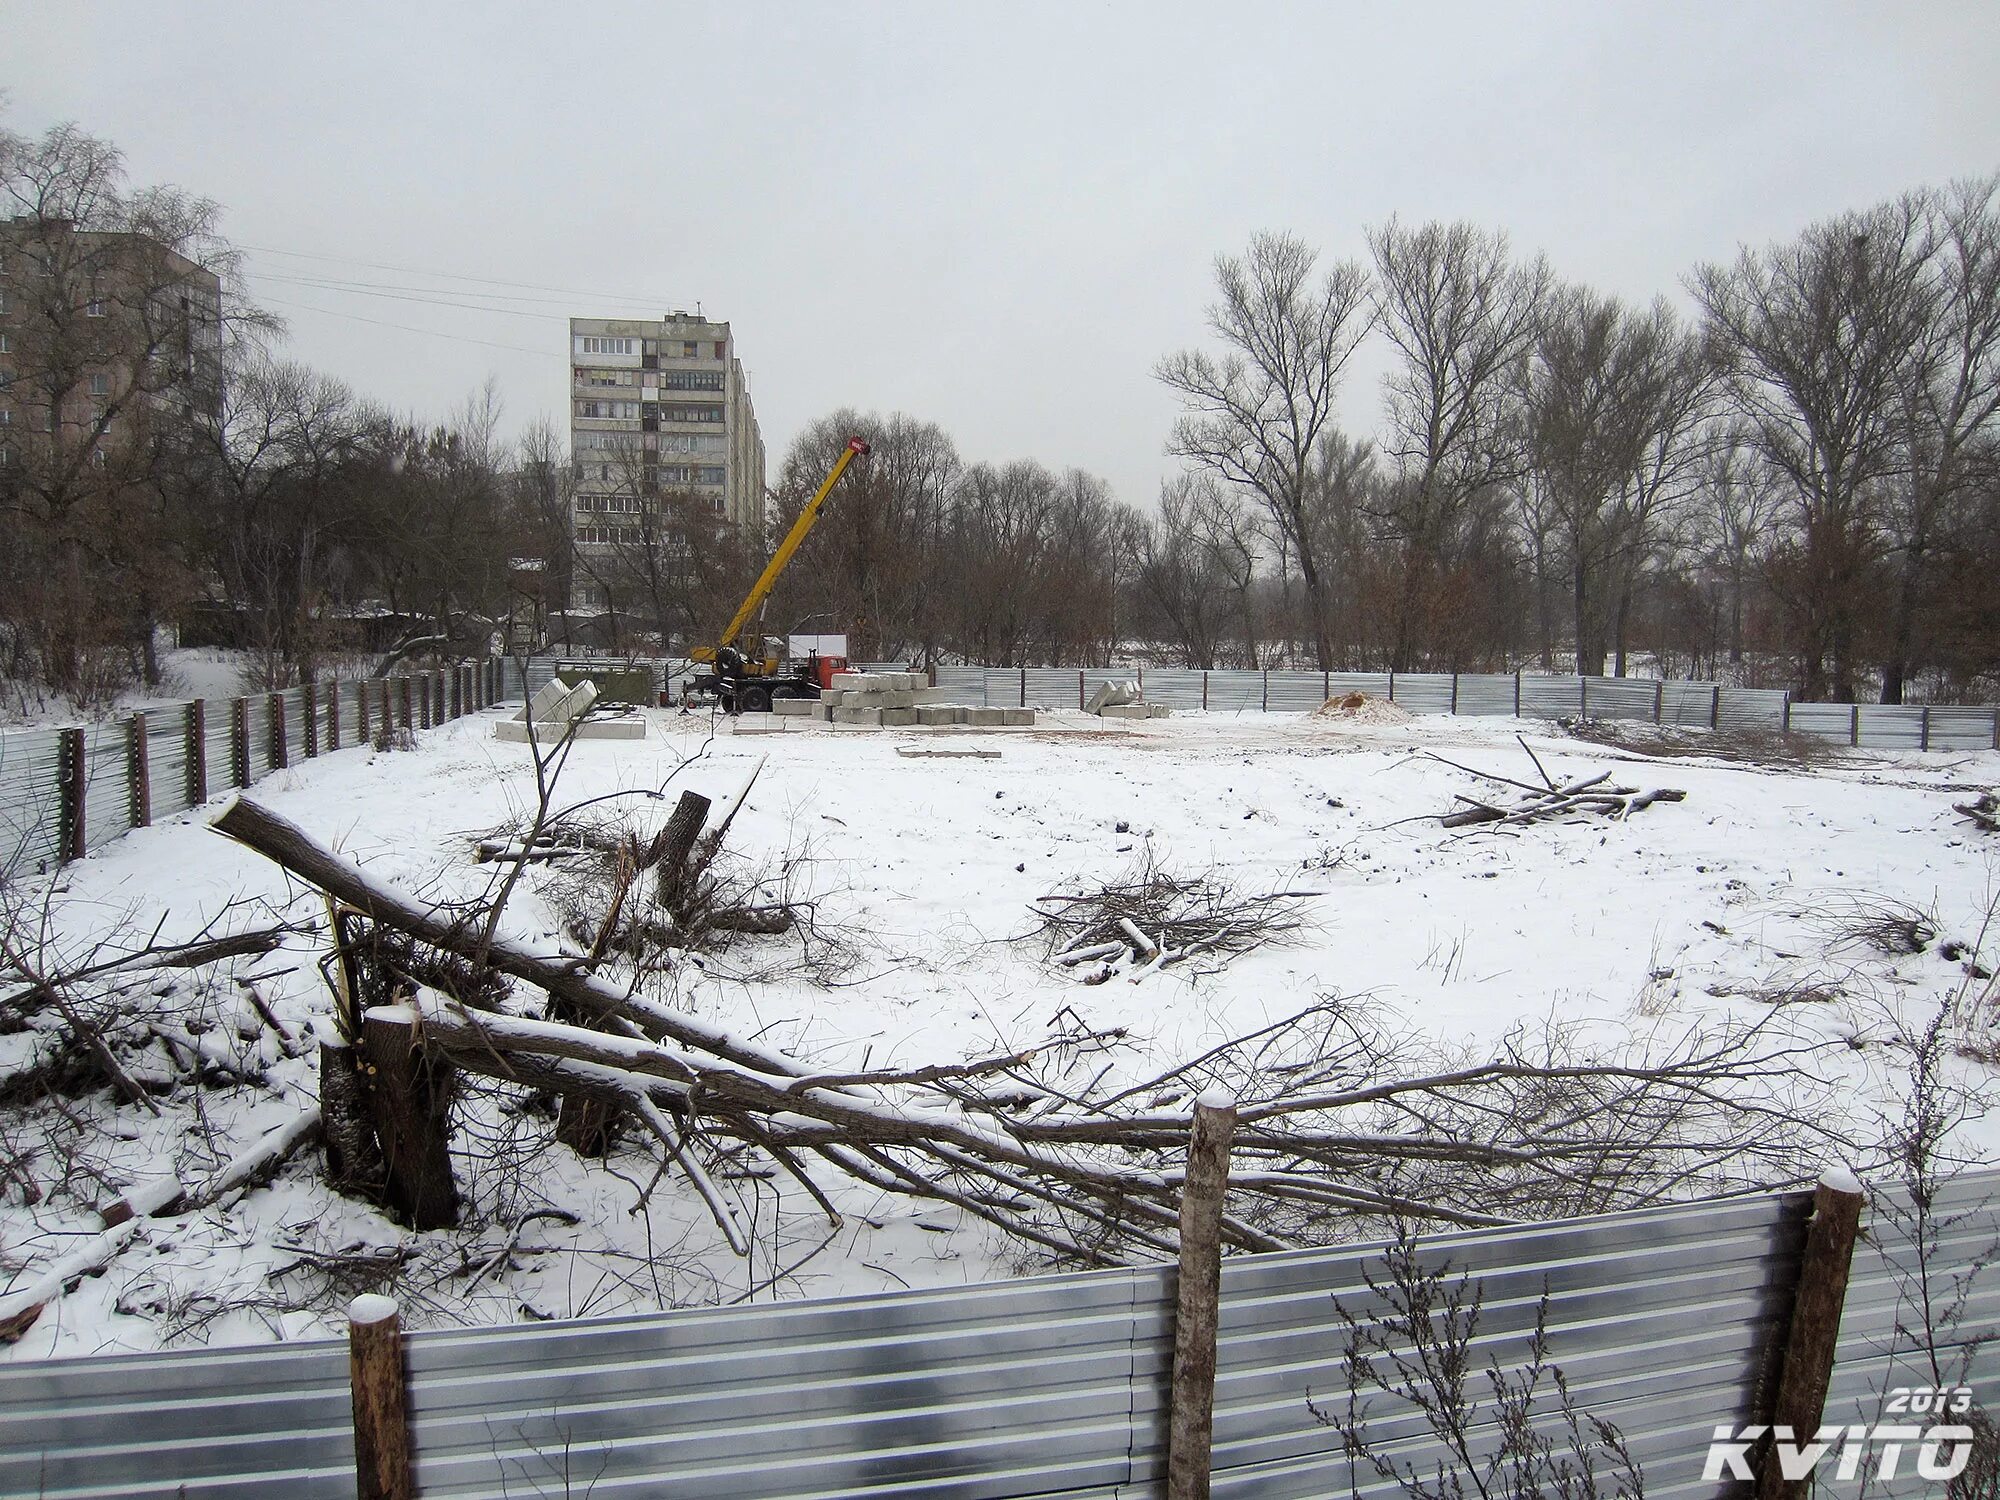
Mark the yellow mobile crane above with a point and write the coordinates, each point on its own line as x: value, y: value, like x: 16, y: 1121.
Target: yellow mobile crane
x: 744, y: 682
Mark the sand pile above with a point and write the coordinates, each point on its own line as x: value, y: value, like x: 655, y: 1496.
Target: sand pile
x: 1359, y: 708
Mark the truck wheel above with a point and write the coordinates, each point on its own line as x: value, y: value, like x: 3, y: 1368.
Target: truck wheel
x: 754, y: 700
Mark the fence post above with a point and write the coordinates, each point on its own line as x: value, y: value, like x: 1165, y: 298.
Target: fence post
x: 376, y: 1374
x: 1392, y: 684
x: 1024, y: 687
x: 1325, y: 685
x: 70, y: 774
x: 333, y: 715
x: 1517, y: 695
x: 1785, y: 713
x: 361, y: 710
x: 309, y: 715
x: 1454, y: 692
x: 138, y: 773
x: 239, y: 739
x: 1191, y: 1419
x: 1996, y: 729
x: 1204, y: 708
x: 1659, y: 698
x: 1854, y: 725
x: 458, y: 692
x: 1079, y: 687
x: 1924, y: 728
x: 280, y: 757
x: 424, y: 700
x: 1582, y: 696
x: 409, y: 705
x: 1806, y: 1363
x: 1267, y: 690
x: 1715, y: 707
x: 197, y: 753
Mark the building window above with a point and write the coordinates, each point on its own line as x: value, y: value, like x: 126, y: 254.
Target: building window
x: 93, y: 308
x: 607, y: 410
x: 603, y: 377
x: 690, y: 411
x: 692, y: 380
x: 100, y: 385
x: 720, y: 346
x: 688, y: 349
x: 588, y: 344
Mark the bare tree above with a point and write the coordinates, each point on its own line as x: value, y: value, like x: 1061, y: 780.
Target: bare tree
x: 1462, y: 316
x: 1820, y: 332
x: 1254, y: 416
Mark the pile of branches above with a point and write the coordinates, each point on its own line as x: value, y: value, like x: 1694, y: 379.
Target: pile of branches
x: 1983, y: 812
x: 1336, y: 1125
x: 1152, y: 919
x: 1552, y: 800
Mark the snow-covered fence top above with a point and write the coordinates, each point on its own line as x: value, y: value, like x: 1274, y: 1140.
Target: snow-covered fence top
x: 65, y: 791
x: 1694, y: 705
x: 1663, y: 1321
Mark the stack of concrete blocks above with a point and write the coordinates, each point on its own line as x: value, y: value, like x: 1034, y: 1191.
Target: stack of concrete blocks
x: 893, y: 699
x: 555, y: 711
x: 1123, y: 700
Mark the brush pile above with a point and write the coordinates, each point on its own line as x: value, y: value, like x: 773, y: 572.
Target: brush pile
x: 1594, y: 795
x: 1153, y: 920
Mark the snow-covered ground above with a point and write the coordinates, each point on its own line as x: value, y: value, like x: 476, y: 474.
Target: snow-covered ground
x: 927, y: 868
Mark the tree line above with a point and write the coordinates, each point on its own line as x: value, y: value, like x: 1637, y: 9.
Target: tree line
x: 1794, y: 485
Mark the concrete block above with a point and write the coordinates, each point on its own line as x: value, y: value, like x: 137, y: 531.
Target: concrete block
x: 1157, y: 710
x: 988, y: 718
x: 751, y: 724
x: 833, y: 696
x: 547, y: 735
x: 868, y: 716
x: 844, y: 680
x: 1016, y: 717
x: 1124, y: 711
x: 794, y: 708
x: 936, y: 713
x: 899, y: 716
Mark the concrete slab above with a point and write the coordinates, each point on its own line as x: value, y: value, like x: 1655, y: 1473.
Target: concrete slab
x: 549, y: 734
x: 794, y: 708
x: 1124, y: 711
x: 936, y: 713
x: 869, y: 716
x: 1017, y: 717
x: 892, y: 716
x: 988, y: 718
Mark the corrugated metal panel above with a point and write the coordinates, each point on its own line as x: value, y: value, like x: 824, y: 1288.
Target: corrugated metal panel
x: 967, y: 681
x: 1891, y: 727
x: 216, y: 733
x: 1965, y: 728
x: 1617, y: 698
x: 1486, y: 693
x: 1424, y: 692
x: 107, y: 806
x: 1551, y: 697
x: 1690, y: 705
x: 1296, y: 692
x: 1235, y: 692
x: 1751, y: 708
x: 30, y: 803
x: 1177, y: 687
x: 1825, y: 721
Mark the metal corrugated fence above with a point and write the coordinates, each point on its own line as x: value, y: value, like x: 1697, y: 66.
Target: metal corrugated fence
x: 1053, y: 1386
x: 32, y: 820
x: 1703, y: 705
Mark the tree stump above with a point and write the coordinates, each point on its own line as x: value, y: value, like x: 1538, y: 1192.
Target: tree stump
x: 410, y: 1098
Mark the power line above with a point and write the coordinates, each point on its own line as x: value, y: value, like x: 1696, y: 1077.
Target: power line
x: 359, y: 291
x: 531, y: 286
x: 457, y: 338
x: 344, y: 284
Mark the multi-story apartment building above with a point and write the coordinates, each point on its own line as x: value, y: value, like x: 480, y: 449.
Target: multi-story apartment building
x: 657, y: 408
x: 107, y: 339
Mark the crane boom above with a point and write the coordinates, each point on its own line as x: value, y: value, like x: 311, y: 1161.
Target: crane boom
x: 768, y: 579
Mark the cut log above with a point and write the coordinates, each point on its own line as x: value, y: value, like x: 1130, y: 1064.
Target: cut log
x: 409, y: 1089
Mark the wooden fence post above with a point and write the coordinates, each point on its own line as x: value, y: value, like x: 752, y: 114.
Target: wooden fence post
x: 1806, y: 1365
x: 1024, y: 687
x: 1785, y: 714
x: 1204, y: 708
x: 409, y: 704
x: 138, y: 773
x: 1517, y: 695
x: 1079, y: 688
x: 1659, y: 698
x: 1715, y: 707
x: 1582, y: 696
x: 197, y: 753
x: 1854, y: 725
x: 1924, y: 728
x: 71, y: 769
x: 239, y: 740
x: 333, y: 715
x: 1267, y: 690
x: 1454, y: 692
x: 274, y: 704
x: 361, y: 710
x: 458, y: 692
x: 376, y: 1371
x: 1191, y: 1416
x: 309, y: 716
x: 1392, y: 684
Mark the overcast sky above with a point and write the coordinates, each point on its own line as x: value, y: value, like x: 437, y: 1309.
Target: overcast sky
x: 997, y: 217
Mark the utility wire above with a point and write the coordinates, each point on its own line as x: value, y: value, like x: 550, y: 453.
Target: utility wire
x: 457, y: 338
x: 337, y: 284
x: 356, y: 291
x: 531, y: 286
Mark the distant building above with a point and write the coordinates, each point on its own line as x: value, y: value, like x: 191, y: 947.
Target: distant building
x: 105, y: 338
x: 657, y: 407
